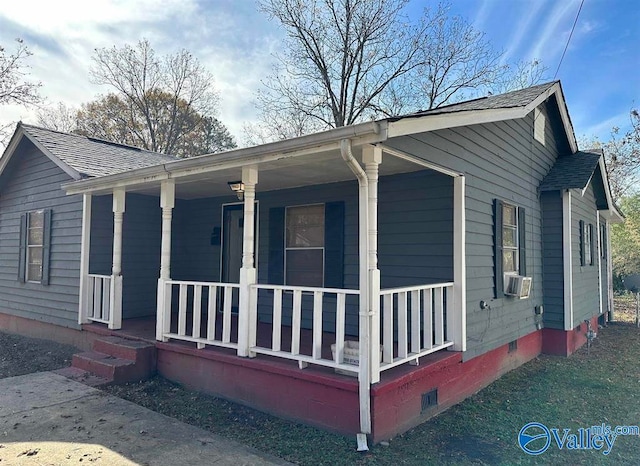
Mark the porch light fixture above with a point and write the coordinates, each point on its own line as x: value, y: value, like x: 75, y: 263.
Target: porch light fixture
x: 238, y: 188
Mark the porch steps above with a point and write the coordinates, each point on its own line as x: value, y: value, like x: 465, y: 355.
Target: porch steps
x: 118, y: 360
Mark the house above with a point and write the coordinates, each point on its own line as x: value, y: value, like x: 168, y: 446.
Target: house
x: 424, y: 255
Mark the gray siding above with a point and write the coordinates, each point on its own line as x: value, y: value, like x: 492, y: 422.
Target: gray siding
x: 585, y: 278
x: 30, y: 182
x: 500, y: 160
x: 141, y: 235
x: 553, y: 260
x: 415, y: 233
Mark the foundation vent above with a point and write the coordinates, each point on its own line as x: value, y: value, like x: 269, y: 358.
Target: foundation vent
x: 429, y: 400
x: 513, y: 346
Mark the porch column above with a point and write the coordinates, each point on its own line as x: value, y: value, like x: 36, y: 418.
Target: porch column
x: 115, y: 320
x: 85, y: 247
x: 372, y: 158
x: 457, y: 313
x: 609, y: 271
x: 246, y: 318
x: 599, y: 252
x: 163, y: 307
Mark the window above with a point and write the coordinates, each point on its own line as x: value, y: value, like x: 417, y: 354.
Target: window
x: 603, y: 241
x: 304, y: 247
x: 509, y: 243
x: 510, y: 239
x: 33, y: 263
x: 35, y: 244
x: 586, y: 243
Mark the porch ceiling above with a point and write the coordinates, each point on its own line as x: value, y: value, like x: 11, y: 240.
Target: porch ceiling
x: 305, y: 170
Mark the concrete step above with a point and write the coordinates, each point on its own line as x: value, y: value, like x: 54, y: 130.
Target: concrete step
x: 104, y: 365
x: 134, y: 350
x: 82, y: 376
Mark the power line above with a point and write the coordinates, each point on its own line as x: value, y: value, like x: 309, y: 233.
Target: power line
x: 569, y: 39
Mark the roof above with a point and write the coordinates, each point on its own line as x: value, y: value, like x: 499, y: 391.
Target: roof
x: 514, y: 99
x: 571, y: 171
x: 82, y: 156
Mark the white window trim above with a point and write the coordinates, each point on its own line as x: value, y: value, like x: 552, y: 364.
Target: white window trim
x: 28, y: 247
x: 587, y: 244
x: 286, y: 248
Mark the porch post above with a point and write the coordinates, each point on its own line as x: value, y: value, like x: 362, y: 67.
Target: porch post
x: 247, y: 324
x: 599, y: 252
x: 372, y: 158
x: 609, y: 271
x: 163, y: 305
x: 85, y: 247
x: 115, y: 320
x: 457, y: 312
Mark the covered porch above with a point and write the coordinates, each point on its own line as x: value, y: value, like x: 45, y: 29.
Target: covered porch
x: 258, y: 277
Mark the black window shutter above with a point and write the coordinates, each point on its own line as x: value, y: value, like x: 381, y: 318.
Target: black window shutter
x: 582, y: 245
x: 497, y: 239
x: 276, y: 246
x: 46, y: 246
x: 522, y: 241
x: 334, y: 245
x: 23, y: 247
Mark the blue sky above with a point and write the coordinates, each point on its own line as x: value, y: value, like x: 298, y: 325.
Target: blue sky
x: 236, y: 42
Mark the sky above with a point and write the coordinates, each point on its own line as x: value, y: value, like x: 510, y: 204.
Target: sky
x: 236, y: 42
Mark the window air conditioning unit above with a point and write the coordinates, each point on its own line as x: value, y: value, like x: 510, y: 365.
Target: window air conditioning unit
x: 519, y: 286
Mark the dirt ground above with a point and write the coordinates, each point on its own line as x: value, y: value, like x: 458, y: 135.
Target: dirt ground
x: 21, y: 355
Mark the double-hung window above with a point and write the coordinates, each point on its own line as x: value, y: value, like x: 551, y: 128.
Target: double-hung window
x: 510, y: 240
x: 35, y: 245
x: 305, y: 245
x: 509, y: 243
x: 586, y: 243
x: 35, y: 232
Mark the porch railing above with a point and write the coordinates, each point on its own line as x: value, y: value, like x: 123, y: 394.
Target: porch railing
x: 290, y: 303
x: 415, y: 317
x: 99, y: 308
x: 205, y: 312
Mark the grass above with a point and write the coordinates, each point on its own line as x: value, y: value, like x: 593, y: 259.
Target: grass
x: 594, y: 386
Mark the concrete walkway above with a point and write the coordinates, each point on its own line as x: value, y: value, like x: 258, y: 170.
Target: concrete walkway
x: 47, y: 419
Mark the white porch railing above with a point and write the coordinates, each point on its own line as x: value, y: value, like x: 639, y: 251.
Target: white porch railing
x: 99, y: 308
x: 416, y: 315
x: 103, y: 299
x: 291, y: 298
x: 199, y: 305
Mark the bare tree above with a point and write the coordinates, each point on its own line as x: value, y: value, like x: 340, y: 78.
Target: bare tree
x: 158, y: 101
x: 520, y: 75
x: 347, y: 61
x: 60, y: 117
x: 622, y: 154
x: 15, y: 87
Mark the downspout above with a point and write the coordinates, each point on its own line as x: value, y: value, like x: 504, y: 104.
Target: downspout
x: 364, y: 319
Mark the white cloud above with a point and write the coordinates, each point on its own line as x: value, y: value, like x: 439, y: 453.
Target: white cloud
x: 231, y: 38
x: 553, y: 36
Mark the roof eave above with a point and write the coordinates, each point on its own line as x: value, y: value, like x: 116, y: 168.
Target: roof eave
x: 432, y: 122
x: 370, y: 132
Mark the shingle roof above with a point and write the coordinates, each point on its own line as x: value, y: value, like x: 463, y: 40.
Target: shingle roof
x: 93, y: 157
x: 520, y: 98
x: 571, y: 171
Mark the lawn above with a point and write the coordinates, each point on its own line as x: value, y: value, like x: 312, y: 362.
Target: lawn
x: 594, y: 386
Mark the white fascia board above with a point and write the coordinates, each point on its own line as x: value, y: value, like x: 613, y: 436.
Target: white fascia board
x: 364, y: 133
x: 433, y: 122
x: 13, y: 145
x: 11, y: 148
x: 63, y: 166
x: 615, y: 216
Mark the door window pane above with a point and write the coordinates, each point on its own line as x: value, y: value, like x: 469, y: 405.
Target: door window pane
x: 305, y: 226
